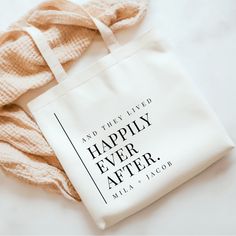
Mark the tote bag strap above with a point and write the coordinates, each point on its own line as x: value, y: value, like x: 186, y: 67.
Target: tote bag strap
x: 50, y: 57
x: 106, y: 33
x: 47, y: 53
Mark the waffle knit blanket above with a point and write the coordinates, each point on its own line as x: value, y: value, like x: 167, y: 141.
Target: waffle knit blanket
x: 24, y: 153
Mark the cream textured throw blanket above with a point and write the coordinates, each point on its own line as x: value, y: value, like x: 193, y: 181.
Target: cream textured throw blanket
x: 24, y: 153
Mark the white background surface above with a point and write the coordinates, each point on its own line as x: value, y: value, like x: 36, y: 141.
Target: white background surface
x: 203, y: 35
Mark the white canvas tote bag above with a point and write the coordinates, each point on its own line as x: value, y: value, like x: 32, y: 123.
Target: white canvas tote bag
x: 128, y: 129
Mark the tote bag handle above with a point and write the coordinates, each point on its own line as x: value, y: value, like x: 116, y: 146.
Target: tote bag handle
x: 50, y: 57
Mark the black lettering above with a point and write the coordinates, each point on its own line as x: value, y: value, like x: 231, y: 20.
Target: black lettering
x: 101, y: 166
x: 138, y: 164
x: 148, y: 158
x: 94, y: 151
x: 146, y: 119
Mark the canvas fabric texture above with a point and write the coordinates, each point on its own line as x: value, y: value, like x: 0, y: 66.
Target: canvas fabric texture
x: 129, y: 128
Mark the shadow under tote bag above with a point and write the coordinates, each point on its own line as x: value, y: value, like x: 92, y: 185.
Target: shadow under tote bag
x: 128, y: 129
